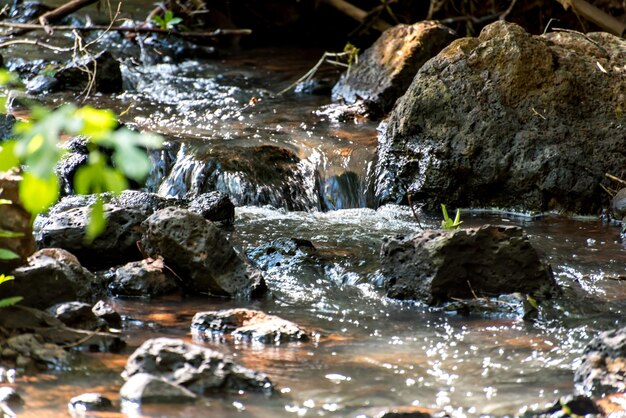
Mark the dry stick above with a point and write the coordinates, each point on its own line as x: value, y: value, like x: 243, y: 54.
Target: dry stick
x: 134, y: 29
x: 417, y: 219
x: 357, y: 14
x: 597, y: 16
x: 617, y: 179
x: 35, y: 42
x: 56, y: 14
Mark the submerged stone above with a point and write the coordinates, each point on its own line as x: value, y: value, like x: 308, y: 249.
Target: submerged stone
x: 198, y: 369
x: 437, y: 266
x: 248, y: 324
x: 144, y: 388
x: 90, y: 402
x: 200, y: 254
x: 502, y: 120
x: 76, y: 315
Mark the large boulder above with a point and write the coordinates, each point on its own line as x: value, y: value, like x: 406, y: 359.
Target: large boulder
x: 248, y: 324
x: 199, y: 369
x: 65, y: 226
x: 509, y: 120
x: 603, y: 369
x: 51, y: 276
x: 385, y: 70
x: 200, y: 254
x: 437, y: 266
x: 14, y: 218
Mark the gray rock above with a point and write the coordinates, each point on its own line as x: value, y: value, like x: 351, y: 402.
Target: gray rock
x: 14, y: 218
x: 199, y: 369
x: 618, y: 204
x: 144, y: 388
x: 437, y: 266
x: 106, y: 312
x: 6, y: 126
x: 34, y: 347
x: 51, y: 276
x: 213, y: 206
x: 76, y: 315
x: 385, y: 70
x: 108, y: 76
x: 143, y: 278
x: 502, y: 120
x: 90, y: 402
x: 200, y: 254
x: 248, y: 324
x: 603, y: 369
x: 64, y: 226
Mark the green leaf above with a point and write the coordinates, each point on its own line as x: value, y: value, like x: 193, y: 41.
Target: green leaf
x: 8, y: 159
x: 97, y: 221
x: 4, y: 278
x: 7, y: 254
x: 38, y: 194
x: 6, y: 302
x: 96, y: 123
x: 133, y: 162
x: 114, y: 181
x: 10, y: 234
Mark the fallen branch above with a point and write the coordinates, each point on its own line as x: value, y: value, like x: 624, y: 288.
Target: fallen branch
x: 357, y: 14
x: 35, y: 42
x: 614, y: 178
x: 131, y: 29
x: 595, y: 15
x: 56, y: 15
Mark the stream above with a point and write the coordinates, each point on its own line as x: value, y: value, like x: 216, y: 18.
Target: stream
x: 375, y: 352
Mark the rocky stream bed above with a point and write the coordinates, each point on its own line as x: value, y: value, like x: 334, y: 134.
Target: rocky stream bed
x: 270, y: 265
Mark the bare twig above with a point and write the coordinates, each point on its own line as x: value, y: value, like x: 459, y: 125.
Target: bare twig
x: 417, y: 219
x: 595, y: 15
x: 508, y: 10
x: 134, y: 29
x: 357, y: 14
x: 35, y: 42
x: 614, y: 178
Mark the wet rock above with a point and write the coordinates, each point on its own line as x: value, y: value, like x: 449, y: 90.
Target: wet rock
x: 108, y: 76
x: 385, y: 70
x: 33, y: 347
x: 257, y: 175
x: 436, y: 266
x: 6, y: 125
x: 51, y: 276
x: 15, y: 218
x: 213, y: 206
x: 76, y: 315
x: 106, y: 312
x: 26, y: 11
x: 200, y: 254
x: 618, y: 204
x: 20, y: 319
x: 143, y: 278
x: 315, y: 86
x: 10, y: 397
x: 396, y: 412
x: 41, y: 84
x: 603, y: 369
x: 199, y: 369
x: 249, y: 324
x: 144, y: 388
x: 90, y: 402
x: 67, y: 168
x: 569, y: 406
x: 65, y: 224
x: 502, y: 120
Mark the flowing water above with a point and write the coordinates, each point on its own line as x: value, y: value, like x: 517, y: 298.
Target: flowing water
x: 315, y: 173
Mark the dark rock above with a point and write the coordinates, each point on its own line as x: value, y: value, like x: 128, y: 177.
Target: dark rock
x: 90, y: 402
x: 385, y: 70
x: 213, y: 206
x: 256, y: 175
x: 66, y: 169
x: 144, y: 388
x: 618, y: 204
x: 502, y: 121
x: 48, y: 329
x: 108, y: 76
x: 143, y: 278
x: 603, y: 369
x: 33, y: 346
x: 106, y: 312
x: 436, y: 266
x: 14, y: 218
x: 570, y: 406
x: 10, y: 397
x: 26, y: 11
x: 200, y: 254
x: 199, y: 369
x: 248, y: 324
x: 315, y: 86
x: 65, y: 224
x: 76, y: 315
x: 51, y: 276
x: 42, y: 84
x: 6, y: 125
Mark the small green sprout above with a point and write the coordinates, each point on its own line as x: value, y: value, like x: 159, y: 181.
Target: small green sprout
x: 447, y: 223
x: 168, y: 21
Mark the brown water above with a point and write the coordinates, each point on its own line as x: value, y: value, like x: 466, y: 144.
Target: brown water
x: 376, y: 351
